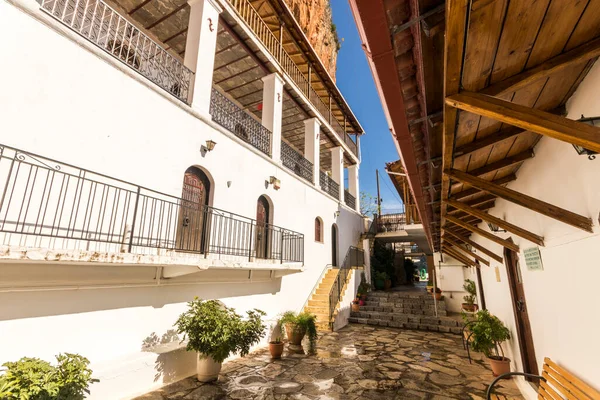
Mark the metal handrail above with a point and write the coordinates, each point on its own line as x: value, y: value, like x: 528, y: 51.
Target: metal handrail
x: 312, y: 291
x: 106, y: 28
x: 488, y: 393
x: 354, y: 256
x: 46, y: 198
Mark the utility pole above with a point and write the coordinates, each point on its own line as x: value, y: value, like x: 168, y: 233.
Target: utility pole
x: 378, y: 195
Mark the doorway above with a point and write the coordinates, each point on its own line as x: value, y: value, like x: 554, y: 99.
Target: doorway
x: 517, y: 293
x: 263, y: 216
x: 334, y: 245
x: 192, y: 233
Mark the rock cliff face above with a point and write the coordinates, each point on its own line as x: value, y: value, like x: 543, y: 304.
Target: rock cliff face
x: 314, y: 17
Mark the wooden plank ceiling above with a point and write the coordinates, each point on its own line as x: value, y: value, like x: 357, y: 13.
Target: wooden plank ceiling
x: 530, y: 54
x: 239, y: 65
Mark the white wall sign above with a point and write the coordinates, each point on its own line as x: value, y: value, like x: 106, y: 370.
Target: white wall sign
x: 533, y: 259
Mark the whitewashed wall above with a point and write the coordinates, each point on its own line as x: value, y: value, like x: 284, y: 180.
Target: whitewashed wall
x: 65, y: 102
x: 562, y: 299
x: 451, y: 275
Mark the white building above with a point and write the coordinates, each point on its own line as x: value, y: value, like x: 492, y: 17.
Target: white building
x: 153, y: 152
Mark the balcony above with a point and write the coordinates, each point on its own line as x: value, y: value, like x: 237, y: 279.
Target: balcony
x: 296, y: 162
x: 349, y: 199
x: 65, y: 207
x: 328, y: 185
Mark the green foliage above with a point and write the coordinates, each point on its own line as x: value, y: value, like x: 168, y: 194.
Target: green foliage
x: 368, y: 204
x: 217, y: 331
x: 488, y: 333
x: 35, y: 379
x: 470, y: 288
x: 364, y: 286
x: 303, y: 320
x: 381, y: 276
x: 382, y: 260
x: 409, y: 269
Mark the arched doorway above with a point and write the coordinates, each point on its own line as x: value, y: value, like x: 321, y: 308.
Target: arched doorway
x: 192, y: 234
x: 334, y: 245
x: 263, y: 218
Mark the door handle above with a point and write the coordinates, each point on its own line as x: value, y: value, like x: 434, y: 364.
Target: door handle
x: 521, y: 305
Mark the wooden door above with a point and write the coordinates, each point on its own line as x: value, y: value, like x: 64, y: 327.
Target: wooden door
x: 192, y: 232
x: 262, y: 227
x: 517, y: 291
x: 334, y: 250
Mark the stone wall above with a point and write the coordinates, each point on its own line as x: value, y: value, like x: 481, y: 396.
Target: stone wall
x: 314, y: 17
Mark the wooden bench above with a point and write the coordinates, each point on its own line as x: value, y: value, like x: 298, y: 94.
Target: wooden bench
x: 555, y: 383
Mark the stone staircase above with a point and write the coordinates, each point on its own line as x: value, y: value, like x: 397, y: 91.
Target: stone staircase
x: 318, y: 303
x: 408, y: 310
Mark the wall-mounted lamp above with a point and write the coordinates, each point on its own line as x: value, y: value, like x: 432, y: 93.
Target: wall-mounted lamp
x: 336, y: 214
x: 594, y: 121
x: 210, y: 145
x: 495, y: 228
x: 275, y: 182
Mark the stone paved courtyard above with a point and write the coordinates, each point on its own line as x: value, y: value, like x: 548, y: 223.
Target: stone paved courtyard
x: 357, y: 362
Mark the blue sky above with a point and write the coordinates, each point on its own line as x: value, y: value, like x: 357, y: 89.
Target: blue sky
x: 356, y: 83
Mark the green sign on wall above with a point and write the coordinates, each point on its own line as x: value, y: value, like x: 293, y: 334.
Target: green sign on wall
x: 533, y: 259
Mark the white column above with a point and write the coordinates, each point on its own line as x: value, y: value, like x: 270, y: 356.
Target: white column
x: 353, y: 184
x: 272, y: 111
x: 337, y: 169
x: 200, y: 50
x: 312, y: 130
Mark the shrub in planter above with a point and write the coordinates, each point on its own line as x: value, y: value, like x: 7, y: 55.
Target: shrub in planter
x: 380, y: 278
x: 296, y: 326
x: 276, y: 348
x: 487, y: 334
x: 438, y: 293
x: 35, y: 379
x: 216, y: 332
x: 469, y: 304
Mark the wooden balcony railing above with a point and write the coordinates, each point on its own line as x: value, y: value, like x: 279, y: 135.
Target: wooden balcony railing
x: 272, y: 43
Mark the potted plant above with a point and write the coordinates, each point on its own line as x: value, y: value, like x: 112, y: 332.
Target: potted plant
x: 487, y: 334
x: 356, y: 305
x: 387, y: 284
x: 215, y: 332
x: 438, y: 293
x: 469, y: 304
x: 380, y: 278
x: 296, y: 326
x: 276, y: 348
x: 363, y: 288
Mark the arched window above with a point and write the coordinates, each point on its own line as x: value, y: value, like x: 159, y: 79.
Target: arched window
x: 318, y: 230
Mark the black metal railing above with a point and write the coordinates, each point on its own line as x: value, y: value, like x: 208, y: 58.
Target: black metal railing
x: 45, y: 198
x: 106, y: 28
x: 296, y: 162
x: 231, y: 117
x: 355, y: 257
x: 328, y: 185
x: 349, y: 199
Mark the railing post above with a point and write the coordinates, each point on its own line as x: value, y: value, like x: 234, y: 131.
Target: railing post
x: 135, y: 210
x: 281, y: 248
x: 250, y: 243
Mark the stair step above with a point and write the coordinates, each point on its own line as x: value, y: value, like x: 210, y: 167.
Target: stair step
x: 317, y: 296
x: 407, y: 321
x: 318, y: 303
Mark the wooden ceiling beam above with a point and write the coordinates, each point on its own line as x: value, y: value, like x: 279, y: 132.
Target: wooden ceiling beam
x: 484, y: 206
x: 469, y: 253
x: 474, y: 244
x: 539, y: 206
x: 457, y: 256
x: 490, y: 140
x: 471, y: 191
x: 557, y: 64
x: 544, y: 123
x: 525, y: 234
x: 505, y: 162
x: 481, y: 232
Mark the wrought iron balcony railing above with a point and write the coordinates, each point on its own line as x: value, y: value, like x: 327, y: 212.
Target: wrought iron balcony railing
x: 275, y: 47
x: 296, y: 162
x: 231, y: 117
x: 104, y: 27
x: 328, y: 185
x: 349, y: 199
x: 70, y: 208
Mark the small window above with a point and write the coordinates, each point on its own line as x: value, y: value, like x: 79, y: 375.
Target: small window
x: 318, y: 230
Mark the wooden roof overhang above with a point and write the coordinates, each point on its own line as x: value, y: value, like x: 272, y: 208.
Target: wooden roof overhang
x: 239, y: 65
x: 508, y: 69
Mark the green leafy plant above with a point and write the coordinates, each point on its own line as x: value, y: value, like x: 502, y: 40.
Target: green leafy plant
x: 35, y: 379
x: 363, y: 287
x: 381, y: 276
x: 471, y: 289
x: 277, y: 340
x: 303, y: 320
x: 488, y: 334
x: 218, y: 331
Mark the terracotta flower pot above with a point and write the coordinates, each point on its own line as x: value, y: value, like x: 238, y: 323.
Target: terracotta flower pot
x: 295, y: 335
x: 438, y: 296
x: 207, y: 369
x: 387, y: 284
x: 276, y: 349
x: 355, y: 307
x: 469, y: 307
x: 499, y: 366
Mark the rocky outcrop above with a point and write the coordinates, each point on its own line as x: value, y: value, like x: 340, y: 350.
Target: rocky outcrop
x: 314, y: 17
